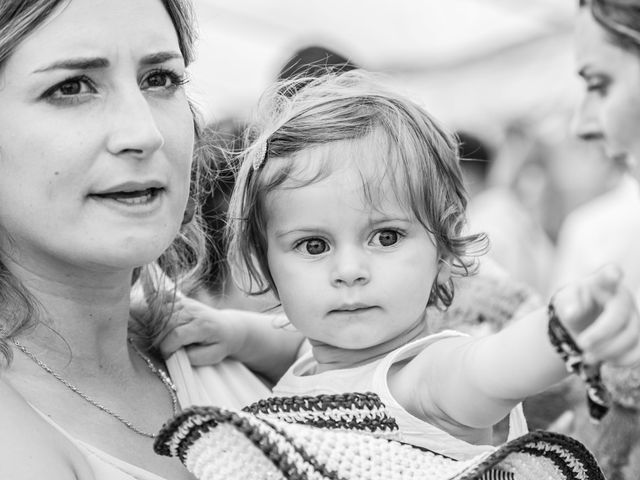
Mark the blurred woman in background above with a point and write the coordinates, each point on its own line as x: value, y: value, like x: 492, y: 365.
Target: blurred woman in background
x: 608, y: 60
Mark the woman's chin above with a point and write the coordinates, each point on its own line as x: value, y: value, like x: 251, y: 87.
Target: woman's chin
x: 132, y: 252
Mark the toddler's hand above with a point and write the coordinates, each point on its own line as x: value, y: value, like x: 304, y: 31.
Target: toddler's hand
x: 208, y: 335
x: 602, y: 316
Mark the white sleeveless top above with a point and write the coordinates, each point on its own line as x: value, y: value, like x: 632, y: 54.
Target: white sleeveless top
x: 229, y: 384
x: 372, y: 377
x: 103, y: 465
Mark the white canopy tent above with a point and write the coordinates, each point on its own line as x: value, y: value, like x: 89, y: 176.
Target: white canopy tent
x: 473, y: 63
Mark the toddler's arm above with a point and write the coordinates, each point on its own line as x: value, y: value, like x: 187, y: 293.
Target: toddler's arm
x: 210, y: 335
x: 475, y: 382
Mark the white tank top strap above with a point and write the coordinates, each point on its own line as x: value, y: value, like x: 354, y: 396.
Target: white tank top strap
x: 411, y: 349
x: 517, y: 423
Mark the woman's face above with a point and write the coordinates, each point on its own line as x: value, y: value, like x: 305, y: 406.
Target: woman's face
x: 610, y: 109
x: 96, y: 138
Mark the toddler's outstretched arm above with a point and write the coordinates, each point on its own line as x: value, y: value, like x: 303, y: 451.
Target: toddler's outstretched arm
x: 475, y: 382
x: 210, y: 335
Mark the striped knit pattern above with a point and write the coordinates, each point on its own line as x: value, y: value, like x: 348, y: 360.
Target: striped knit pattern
x: 363, y: 412
x: 216, y: 443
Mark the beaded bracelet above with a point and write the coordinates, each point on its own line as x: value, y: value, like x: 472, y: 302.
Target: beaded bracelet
x: 598, y: 397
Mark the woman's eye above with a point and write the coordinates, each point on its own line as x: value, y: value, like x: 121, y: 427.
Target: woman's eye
x: 313, y: 246
x: 163, y: 79
x: 386, y: 238
x: 70, y: 89
x: 598, y: 85
x: 594, y: 87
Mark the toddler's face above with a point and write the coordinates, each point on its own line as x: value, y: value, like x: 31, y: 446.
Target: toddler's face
x: 349, y: 274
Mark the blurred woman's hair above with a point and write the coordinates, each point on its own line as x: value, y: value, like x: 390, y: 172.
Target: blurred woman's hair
x: 620, y: 19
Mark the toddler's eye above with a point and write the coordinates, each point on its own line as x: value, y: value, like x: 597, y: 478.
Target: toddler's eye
x: 313, y: 246
x: 386, y: 238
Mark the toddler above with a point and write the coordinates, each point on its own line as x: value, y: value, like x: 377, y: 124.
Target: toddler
x: 350, y: 208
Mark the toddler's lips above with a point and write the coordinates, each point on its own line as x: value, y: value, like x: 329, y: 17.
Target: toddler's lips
x: 352, y: 309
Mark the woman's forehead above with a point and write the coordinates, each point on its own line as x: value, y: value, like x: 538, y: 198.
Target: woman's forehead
x: 110, y: 29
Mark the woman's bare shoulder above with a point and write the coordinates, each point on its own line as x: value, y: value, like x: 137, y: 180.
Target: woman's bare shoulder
x: 30, y: 447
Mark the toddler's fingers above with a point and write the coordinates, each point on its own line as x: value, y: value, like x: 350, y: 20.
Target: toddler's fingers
x: 619, y: 314
x: 579, y: 304
x: 618, y: 350
x: 206, y: 354
x: 178, y: 317
x: 193, y: 332
x: 629, y: 359
x: 605, y: 282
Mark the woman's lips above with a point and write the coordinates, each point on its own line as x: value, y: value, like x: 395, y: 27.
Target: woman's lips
x: 133, y: 197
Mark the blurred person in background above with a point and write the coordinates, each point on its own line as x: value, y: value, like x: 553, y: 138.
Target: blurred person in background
x: 604, y: 229
x: 475, y: 161
x: 511, y: 209
x: 314, y: 61
x: 607, y: 50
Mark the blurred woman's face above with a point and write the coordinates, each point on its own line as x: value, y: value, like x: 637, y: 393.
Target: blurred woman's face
x: 610, y: 109
x: 96, y: 138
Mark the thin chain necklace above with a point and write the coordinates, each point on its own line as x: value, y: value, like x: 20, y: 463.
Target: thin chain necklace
x: 166, y: 381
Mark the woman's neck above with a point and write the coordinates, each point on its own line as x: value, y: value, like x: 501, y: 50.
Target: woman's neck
x: 329, y: 357
x: 85, y: 320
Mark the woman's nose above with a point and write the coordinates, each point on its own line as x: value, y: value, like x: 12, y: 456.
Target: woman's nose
x: 585, y: 123
x: 132, y: 127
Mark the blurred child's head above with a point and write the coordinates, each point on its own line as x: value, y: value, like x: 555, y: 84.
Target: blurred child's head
x: 331, y: 126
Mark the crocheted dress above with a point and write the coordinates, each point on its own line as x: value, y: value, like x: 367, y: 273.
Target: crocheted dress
x: 270, y: 440
x: 372, y: 377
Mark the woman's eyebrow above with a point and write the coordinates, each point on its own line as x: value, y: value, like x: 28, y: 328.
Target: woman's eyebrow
x: 80, y: 63
x: 160, y: 57
x: 88, y: 63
